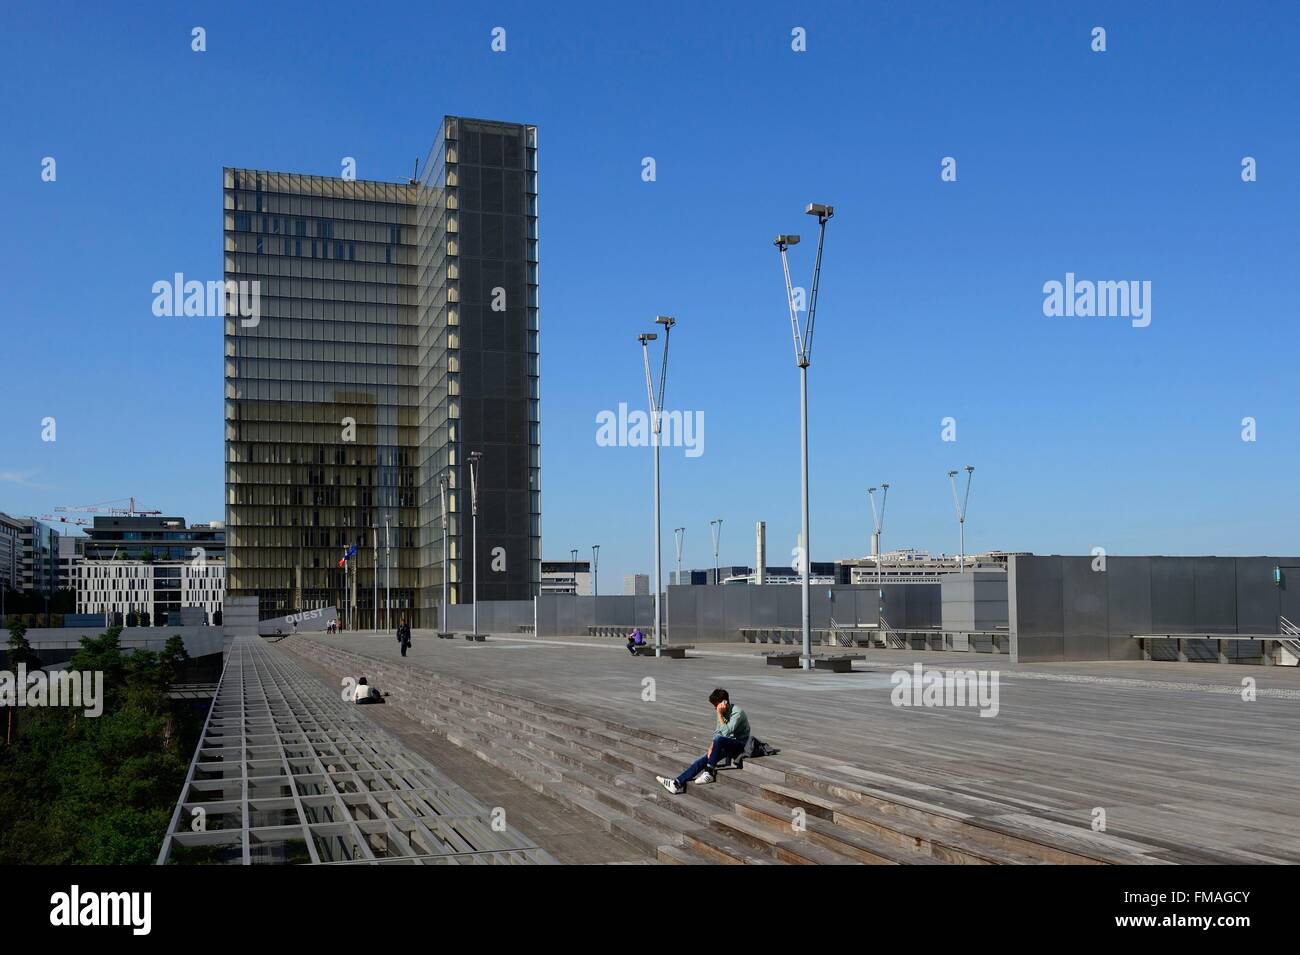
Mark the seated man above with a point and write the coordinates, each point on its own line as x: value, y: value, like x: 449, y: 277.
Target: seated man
x: 634, y: 640
x: 729, y: 739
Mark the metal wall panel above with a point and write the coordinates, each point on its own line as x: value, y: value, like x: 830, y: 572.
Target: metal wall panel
x: 736, y: 602
x: 1036, y: 612
x: 1128, y: 596
x: 764, y: 606
x: 1173, y: 595
x: 1215, y: 583
x: 1083, y: 610
x: 1259, y: 600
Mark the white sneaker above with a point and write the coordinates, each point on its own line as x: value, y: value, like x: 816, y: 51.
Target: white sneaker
x: 702, y: 778
x: 672, y: 785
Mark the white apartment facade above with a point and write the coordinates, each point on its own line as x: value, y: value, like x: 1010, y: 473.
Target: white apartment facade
x: 152, y: 587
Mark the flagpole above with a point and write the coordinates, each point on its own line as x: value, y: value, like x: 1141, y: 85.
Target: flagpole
x: 374, y: 540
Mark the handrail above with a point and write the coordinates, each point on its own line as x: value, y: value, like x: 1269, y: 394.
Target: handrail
x: 892, y: 639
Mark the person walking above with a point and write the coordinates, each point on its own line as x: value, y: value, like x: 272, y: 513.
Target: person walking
x: 403, y: 635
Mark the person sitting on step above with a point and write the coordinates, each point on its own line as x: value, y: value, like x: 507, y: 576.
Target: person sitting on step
x: 730, y: 735
x: 364, y: 693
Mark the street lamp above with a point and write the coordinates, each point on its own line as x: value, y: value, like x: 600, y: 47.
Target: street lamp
x: 803, y: 358
x: 656, y: 400
x: 879, y: 520
x: 573, y: 567
x: 680, y: 532
x: 595, y: 570
x: 442, y: 614
x: 474, y: 458
x: 715, y: 530
x: 961, y: 510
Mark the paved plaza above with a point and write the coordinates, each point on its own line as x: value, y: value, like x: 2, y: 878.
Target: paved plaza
x: 1171, y: 752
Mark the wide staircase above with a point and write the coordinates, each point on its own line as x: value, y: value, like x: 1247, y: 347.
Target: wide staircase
x: 795, y: 808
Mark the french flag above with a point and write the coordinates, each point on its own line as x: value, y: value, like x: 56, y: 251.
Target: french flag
x: 350, y: 552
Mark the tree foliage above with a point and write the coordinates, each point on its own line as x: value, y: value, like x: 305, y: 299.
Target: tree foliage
x: 98, y: 790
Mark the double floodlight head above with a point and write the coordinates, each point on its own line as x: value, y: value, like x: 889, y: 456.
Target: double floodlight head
x: 952, y: 474
x: 785, y: 241
x: 646, y: 337
x: 820, y: 210
x: 665, y: 320
x: 970, y: 469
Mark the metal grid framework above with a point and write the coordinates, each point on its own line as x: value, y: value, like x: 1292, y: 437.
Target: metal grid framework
x: 288, y: 772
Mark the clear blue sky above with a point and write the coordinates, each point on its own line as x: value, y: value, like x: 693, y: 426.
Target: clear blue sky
x: 1084, y: 431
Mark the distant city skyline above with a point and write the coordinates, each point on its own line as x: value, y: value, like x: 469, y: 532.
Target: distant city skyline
x: 1122, y: 166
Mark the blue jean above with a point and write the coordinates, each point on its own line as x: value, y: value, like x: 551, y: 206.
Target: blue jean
x: 724, y: 747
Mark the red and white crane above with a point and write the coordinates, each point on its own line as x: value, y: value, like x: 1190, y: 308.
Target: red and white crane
x: 103, y: 508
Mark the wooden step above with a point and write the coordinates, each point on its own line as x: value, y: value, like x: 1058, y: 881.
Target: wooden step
x: 946, y: 846
x: 717, y: 847
x: 866, y: 848
x: 784, y: 846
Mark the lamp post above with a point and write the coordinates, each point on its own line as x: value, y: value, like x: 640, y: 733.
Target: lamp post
x: 474, y: 457
x: 715, y: 531
x: 442, y: 614
x: 595, y: 570
x: 961, y: 512
x: 879, y: 521
x: 803, y: 358
x: 680, y: 533
x: 573, y: 567
x: 656, y: 408
x: 388, y: 580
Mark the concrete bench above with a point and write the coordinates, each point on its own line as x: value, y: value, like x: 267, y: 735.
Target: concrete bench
x: 676, y: 650
x: 1220, y: 642
x: 837, y: 662
x: 475, y: 637
x: 446, y: 635
x: 786, y: 661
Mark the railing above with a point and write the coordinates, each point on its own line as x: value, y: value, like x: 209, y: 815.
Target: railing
x: 1290, y: 636
x: 892, y: 638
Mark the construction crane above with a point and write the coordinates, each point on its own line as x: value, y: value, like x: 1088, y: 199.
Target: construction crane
x: 63, y: 520
x: 102, y: 508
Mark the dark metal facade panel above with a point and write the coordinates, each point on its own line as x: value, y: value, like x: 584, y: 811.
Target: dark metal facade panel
x: 1173, y: 594
x: 1215, y: 582
x: 1038, y: 621
x: 1259, y: 599
x: 1083, y: 609
x: 1128, y: 595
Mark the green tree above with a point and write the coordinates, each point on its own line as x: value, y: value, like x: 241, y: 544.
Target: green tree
x: 20, y: 650
x: 79, y: 789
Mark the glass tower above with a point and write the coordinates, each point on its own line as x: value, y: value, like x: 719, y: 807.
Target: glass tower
x: 397, y: 332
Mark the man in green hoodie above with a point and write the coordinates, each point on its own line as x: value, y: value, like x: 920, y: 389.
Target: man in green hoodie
x: 730, y: 734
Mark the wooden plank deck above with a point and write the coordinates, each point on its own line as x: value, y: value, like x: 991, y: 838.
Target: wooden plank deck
x: 1171, y: 752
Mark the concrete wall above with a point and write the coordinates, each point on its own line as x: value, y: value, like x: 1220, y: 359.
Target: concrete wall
x: 1061, y: 609
x: 58, y: 644
x: 239, y: 617
x: 309, y: 621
